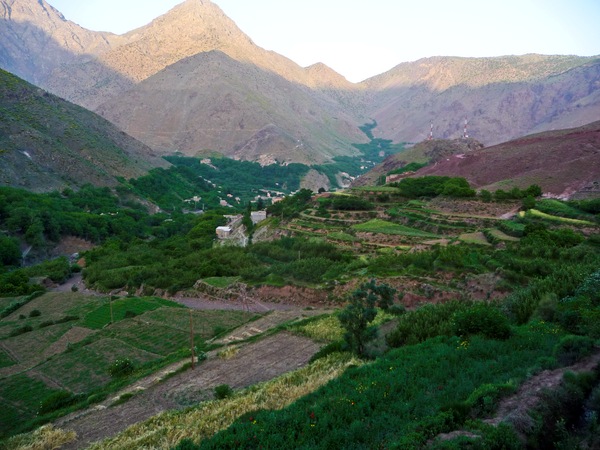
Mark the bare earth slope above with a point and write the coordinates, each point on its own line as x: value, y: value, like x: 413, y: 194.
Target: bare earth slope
x: 560, y: 162
x: 502, y: 97
x: 253, y: 363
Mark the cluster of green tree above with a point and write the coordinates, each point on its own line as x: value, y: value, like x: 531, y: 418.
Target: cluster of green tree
x: 411, y: 167
x: 433, y: 186
x: 176, y: 263
x: 90, y: 213
x: 515, y: 193
x: 346, y: 203
x: 188, y: 179
x: 17, y: 282
x: 291, y: 206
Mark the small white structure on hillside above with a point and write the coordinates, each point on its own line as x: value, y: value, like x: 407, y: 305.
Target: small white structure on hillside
x: 223, y: 232
x: 258, y: 216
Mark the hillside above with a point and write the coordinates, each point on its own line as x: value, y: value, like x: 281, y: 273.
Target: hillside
x: 561, y: 162
x: 211, y: 101
x: 503, y: 97
x: 100, y: 76
x: 426, y: 152
x: 47, y: 143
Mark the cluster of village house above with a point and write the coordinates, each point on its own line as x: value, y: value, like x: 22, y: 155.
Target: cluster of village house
x: 235, y: 222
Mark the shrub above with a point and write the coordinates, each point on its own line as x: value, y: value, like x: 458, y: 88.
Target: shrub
x: 130, y: 314
x: 58, y: 400
x: 66, y: 319
x: 223, y: 391
x: 571, y: 349
x: 482, y: 319
x: 121, y: 368
x: 35, y: 313
x: 46, y: 323
x: 22, y: 330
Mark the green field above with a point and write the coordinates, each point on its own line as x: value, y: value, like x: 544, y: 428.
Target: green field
x: 100, y: 317
x: 385, y: 227
x: 566, y: 220
x: 76, y: 353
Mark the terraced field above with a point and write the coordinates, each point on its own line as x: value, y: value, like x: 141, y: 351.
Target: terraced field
x: 65, y: 341
x: 400, y: 226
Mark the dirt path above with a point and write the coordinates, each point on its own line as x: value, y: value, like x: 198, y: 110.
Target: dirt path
x: 528, y: 395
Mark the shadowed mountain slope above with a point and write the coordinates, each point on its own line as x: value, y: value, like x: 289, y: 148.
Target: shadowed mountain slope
x: 211, y: 101
x: 47, y: 143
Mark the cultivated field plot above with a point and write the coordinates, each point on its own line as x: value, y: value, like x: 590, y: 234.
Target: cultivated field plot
x: 253, y: 363
x: 385, y: 227
x: 400, y: 226
x: 65, y: 341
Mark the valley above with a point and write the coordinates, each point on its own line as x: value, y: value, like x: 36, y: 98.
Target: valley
x: 204, y: 245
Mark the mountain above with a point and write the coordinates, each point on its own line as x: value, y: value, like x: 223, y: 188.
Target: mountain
x: 211, y: 101
x: 502, y: 97
x: 563, y: 163
x: 285, y: 114
x: 251, y: 103
x: 47, y: 143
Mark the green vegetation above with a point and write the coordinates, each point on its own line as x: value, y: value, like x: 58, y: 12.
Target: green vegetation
x: 434, y: 186
x: 499, y: 314
x: 385, y: 227
x: 90, y: 363
x: 191, y: 184
x: 361, y: 311
x: 411, y: 167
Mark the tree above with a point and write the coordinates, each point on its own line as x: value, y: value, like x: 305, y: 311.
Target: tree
x: 485, y: 195
x: 10, y: 253
x: 361, y: 311
x: 528, y: 203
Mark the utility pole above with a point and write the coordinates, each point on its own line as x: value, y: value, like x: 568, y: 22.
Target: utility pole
x: 192, y: 338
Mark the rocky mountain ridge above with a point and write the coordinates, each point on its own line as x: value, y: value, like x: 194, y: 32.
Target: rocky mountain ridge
x: 286, y: 113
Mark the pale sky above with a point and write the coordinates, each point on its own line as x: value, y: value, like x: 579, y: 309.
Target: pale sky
x: 360, y: 39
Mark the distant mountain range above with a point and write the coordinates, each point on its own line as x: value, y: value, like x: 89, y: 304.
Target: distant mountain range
x: 192, y: 81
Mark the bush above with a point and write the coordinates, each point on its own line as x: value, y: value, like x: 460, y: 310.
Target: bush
x: 571, y: 349
x: 35, y: 313
x: 58, y: 400
x: 482, y: 319
x: 66, y: 319
x: 130, y: 314
x: 223, y: 391
x: 21, y: 330
x: 121, y: 368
